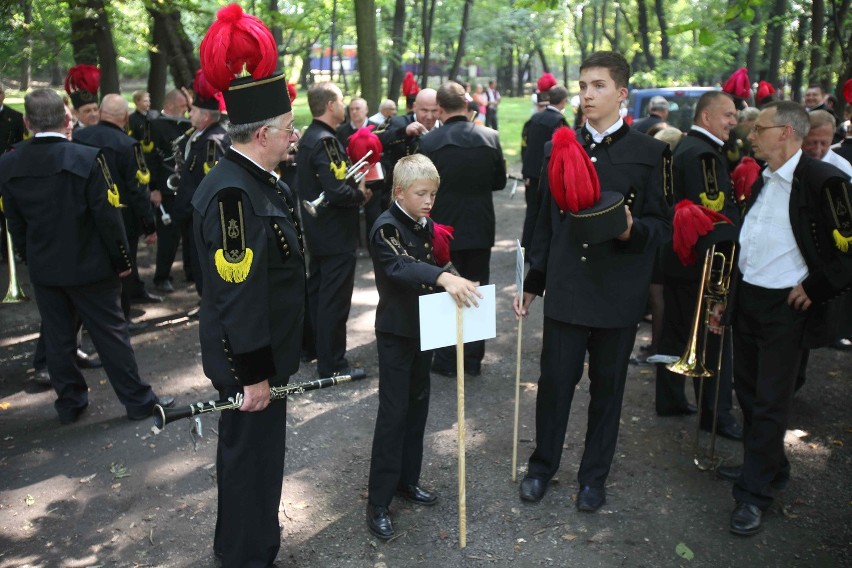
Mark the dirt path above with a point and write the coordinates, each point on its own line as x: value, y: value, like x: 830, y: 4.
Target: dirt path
x: 105, y: 492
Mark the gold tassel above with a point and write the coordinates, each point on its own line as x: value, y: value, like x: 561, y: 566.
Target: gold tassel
x: 144, y: 176
x: 147, y: 146
x: 113, y: 197
x: 841, y: 241
x: 234, y: 272
x: 28, y: 135
x: 339, y: 171
x: 208, y: 167
x: 714, y: 204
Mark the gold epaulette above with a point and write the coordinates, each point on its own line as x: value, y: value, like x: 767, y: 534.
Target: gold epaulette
x: 143, y: 174
x: 210, y: 160
x: 233, y: 260
x: 112, y: 189
x: 840, y: 206
x: 711, y: 197
x: 146, y: 142
x: 337, y: 162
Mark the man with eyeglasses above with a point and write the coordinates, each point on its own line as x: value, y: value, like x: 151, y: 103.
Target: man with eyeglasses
x: 795, y: 261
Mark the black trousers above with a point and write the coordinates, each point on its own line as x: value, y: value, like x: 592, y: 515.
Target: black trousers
x: 40, y: 355
x: 563, y: 354
x: 98, y: 307
x: 533, y: 199
x: 191, y: 253
x: 680, y: 297
x: 473, y: 264
x: 401, y: 421
x: 767, y: 353
x: 491, y: 117
x: 168, y: 240
x: 331, y: 280
x: 249, y: 476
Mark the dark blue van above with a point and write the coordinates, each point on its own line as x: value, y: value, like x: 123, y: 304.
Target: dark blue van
x: 682, y: 101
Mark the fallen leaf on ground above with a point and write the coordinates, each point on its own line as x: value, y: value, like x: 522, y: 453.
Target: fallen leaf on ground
x: 30, y: 500
x: 88, y: 478
x: 118, y: 471
x: 684, y: 551
x: 569, y: 537
x: 443, y: 534
x: 5, y: 405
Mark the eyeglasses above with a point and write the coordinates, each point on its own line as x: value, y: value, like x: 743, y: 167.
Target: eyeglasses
x: 758, y: 129
x: 289, y: 130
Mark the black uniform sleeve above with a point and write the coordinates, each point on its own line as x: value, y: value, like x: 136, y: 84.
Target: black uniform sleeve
x: 831, y: 278
x: 331, y: 177
x: 106, y: 215
x: 131, y: 165
x: 499, y: 181
x: 388, y: 252
x: 539, y: 251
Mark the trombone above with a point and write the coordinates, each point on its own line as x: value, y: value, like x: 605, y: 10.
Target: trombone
x: 15, y: 293
x: 355, y: 173
x: 714, y: 289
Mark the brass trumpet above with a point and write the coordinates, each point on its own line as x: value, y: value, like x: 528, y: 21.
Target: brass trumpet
x: 15, y: 294
x: 355, y: 172
x: 714, y: 289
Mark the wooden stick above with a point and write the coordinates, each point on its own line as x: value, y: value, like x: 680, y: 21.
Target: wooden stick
x: 460, y: 403
x: 517, y: 397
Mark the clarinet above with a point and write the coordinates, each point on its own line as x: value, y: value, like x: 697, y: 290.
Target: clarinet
x: 163, y: 416
x: 173, y: 181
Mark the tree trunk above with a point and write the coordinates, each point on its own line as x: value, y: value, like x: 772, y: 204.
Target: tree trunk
x: 644, y: 34
x: 175, y: 46
x: 368, y: 52
x: 305, y: 77
x: 504, y: 71
x: 544, y: 66
x: 277, y: 34
x: 158, y: 71
x: 665, y: 49
x: 799, y: 66
x: 27, y: 44
x: 776, y: 31
x: 397, y: 50
x: 817, y: 34
x: 91, y: 41
x: 427, y: 19
x: 754, y: 43
x: 454, y: 70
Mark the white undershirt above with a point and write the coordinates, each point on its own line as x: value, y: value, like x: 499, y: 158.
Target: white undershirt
x: 599, y: 136
x: 707, y: 133
x: 421, y: 221
x: 48, y: 135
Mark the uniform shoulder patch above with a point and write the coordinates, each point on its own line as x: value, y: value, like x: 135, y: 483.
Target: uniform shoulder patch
x: 210, y: 157
x: 112, y: 189
x: 337, y: 162
x: 233, y: 260
x: 711, y: 197
x: 837, y: 196
x: 390, y: 235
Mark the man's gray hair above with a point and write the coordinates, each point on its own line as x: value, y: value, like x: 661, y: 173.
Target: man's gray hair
x: 794, y: 114
x: 45, y: 110
x: 819, y: 118
x: 243, y: 133
x: 658, y: 102
x: 747, y: 114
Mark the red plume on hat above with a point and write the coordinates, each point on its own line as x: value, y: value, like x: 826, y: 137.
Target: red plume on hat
x: 764, y: 90
x: 291, y: 90
x: 847, y: 91
x: 206, y: 95
x: 83, y: 78
x: 362, y: 142
x: 573, y: 179
x: 546, y: 82
x: 441, y: 243
x: 744, y: 176
x: 738, y: 84
x: 409, y: 85
x: 692, y: 221
x: 237, y: 43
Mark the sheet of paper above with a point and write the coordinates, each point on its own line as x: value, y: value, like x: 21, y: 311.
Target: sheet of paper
x: 438, y: 319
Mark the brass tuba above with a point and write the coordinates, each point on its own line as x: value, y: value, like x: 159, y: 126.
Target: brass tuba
x: 15, y: 294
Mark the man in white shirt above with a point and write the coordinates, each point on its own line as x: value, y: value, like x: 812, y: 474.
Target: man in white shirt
x: 817, y: 143
x: 794, y: 263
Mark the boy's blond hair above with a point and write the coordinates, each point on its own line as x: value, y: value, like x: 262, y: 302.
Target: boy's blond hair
x: 411, y: 169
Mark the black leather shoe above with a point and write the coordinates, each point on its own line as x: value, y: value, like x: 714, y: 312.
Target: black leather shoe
x: 379, y: 522
x: 71, y: 415
x: 532, y: 489
x: 688, y: 410
x: 590, y: 499
x: 165, y: 402
x: 443, y: 372
x: 42, y: 378
x: 729, y: 472
x: 417, y: 495
x: 133, y: 327
x: 472, y: 371
x: 147, y: 298
x: 731, y: 431
x: 746, y: 519
x: 164, y: 286
x: 86, y: 361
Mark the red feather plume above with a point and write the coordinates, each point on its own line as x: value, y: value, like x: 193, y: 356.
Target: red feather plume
x: 573, y: 179
x: 738, y: 84
x: 546, y: 82
x: 409, y: 85
x: 291, y: 90
x: 744, y: 176
x: 202, y: 87
x: 83, y: 78
x: 847, y: 91
x: 441, y: 243
x: 764, y: 89
x: 363, y: 141
x: 691, y: 221
x: 236, y: 43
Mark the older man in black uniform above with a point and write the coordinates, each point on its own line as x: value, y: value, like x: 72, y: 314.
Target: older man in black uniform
x: 470, y: 161
x: 169, y: 135
x: 700, y: 174
x: 332, y: 235
x: 248, y: 238
x: 795, y: 264
x: 538, y: 132
x: 203, y: 149
x: 596, y: 293
x: 59, y: 198
x: 131, y: 176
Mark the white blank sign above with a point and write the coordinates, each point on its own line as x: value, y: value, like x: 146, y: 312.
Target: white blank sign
x: 438, y: 319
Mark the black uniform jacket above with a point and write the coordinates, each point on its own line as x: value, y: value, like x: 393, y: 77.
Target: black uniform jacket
x: 700, y: 174
x: 126, y: 164
x: 55, y: 199
x: 164, y: 131
x: 321, y: 166
x: 396, y: 144
x: 539, y: 130
x: 604, y: 285
x: 252, y: 261
x: 470, y: 161
x: 11, y: 128
x: 844, y: 150
x: 201, y: 153
x: 820, y: 201
x: 405, y: 269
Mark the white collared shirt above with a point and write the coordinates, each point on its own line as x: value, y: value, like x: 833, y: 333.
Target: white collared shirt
x: 48, y: 135
x: 599, y: 136
x: 708, y: 134
x: 421, y: 221
x: 838, y: 161
x: 769, y: 255
x: 277, y: 177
